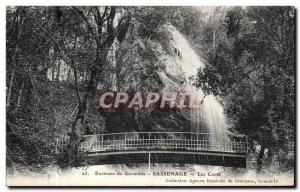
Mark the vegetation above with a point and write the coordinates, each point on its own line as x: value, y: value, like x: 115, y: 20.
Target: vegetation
x: 252, y: 68
x: 58, y: 57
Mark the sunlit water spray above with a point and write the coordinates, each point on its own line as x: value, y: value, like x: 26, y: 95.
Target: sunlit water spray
x: 209, y: 117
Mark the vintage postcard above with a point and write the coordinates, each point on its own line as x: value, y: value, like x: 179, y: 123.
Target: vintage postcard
x: 150, y: 96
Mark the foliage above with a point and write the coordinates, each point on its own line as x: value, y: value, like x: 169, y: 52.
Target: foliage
x: 253, y: 70
x: 57, y: 58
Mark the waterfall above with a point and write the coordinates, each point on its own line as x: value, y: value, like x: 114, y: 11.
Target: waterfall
x: 209, y: 117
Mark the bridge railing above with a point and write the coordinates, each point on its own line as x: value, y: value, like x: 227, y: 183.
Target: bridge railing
x: 190, y: 141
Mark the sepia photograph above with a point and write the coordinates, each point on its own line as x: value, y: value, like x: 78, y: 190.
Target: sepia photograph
x: 150, y: 96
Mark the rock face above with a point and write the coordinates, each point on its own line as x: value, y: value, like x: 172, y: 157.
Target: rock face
x: 163, y: 62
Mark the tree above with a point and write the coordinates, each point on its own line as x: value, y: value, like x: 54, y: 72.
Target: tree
x: 253, y: 71
x: 28, y: 124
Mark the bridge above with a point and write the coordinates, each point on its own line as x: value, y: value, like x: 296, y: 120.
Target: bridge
x: 163, y: 147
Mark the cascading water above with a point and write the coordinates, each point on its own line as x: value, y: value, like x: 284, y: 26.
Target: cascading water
x: 209, y: 117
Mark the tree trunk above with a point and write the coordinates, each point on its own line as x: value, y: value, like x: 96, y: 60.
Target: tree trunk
x: 10, y: 88
x: 19, y: 98
x: 214, y: 41
x: 58, y: 71
x: 53, y: 74
x: 69, y: 75
x: 102, y: 50
x: 260, y: 157
x: 53, y: 65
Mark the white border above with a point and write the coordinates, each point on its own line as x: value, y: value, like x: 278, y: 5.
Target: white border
x: 154, y: 2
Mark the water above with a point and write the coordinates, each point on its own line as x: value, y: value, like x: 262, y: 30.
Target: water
x: 209, y: 117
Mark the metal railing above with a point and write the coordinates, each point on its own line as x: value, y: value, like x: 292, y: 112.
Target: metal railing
x: 187, y: 141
